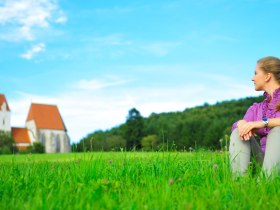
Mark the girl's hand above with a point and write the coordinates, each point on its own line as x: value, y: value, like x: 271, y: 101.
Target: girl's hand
x: 240, y: 126
x: 246, y: 129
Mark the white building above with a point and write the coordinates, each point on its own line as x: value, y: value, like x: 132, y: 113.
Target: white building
x: 5, y: 115
x: 44, y: 124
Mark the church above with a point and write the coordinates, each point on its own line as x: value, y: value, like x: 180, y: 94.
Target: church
x: 44, y: 124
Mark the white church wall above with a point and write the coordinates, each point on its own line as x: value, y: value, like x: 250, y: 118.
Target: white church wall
x: 66, y: 143
x: 55, y: 141
x: 5, y: 118
x: 32, y: 132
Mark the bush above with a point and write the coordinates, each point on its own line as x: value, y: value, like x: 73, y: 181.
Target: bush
x: 37, y: 147
x: 6, y: 150
x: 7, y: 143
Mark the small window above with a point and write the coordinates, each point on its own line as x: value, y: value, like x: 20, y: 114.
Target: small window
x: 3, y: 107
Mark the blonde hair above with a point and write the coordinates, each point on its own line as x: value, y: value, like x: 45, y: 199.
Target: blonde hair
x: 271, y: 65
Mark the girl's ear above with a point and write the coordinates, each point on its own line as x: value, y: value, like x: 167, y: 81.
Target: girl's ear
x: 268, y: 77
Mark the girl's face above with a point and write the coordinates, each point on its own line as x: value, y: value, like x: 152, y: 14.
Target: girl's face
x: 259, y: 78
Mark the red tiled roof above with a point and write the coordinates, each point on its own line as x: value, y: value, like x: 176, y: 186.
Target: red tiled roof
x: 2, y: 100
x: 20, y: 135
x: 46, y: 116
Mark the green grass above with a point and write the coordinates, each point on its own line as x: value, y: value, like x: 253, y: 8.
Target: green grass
x: 130, y: 180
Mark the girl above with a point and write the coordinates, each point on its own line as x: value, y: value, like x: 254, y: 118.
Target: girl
x: 262, y: 120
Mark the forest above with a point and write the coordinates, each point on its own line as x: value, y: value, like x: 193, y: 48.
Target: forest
x: 206, y: 126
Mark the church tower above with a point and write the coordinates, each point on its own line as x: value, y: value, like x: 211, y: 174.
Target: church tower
x: 5, y: 114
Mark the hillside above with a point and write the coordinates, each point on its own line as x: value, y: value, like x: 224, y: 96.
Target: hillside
x: 205, y: 126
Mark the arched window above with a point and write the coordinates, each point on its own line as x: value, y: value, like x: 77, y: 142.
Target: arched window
x: 58, y: 144
x: 53, y: 143
x: 43, y: 138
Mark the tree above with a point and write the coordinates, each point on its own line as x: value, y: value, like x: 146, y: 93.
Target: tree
x: 115, y: 142
x: 100, y: 141
x: 134, y: 127
x: 7, y: 143
x: 198, y: 127
x: 150, y: 142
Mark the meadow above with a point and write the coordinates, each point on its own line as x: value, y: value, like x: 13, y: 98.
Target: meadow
x: 131, y: 180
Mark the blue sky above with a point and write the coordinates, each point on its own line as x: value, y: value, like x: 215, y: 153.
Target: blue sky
x: 98, y: 59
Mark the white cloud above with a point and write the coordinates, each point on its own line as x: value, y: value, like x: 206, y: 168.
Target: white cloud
x: 118, y: 45
x: 62, y: 19
x: 34, y: 51
x: 99, y: 84
x: 161, y: 48
x: 22, y: 17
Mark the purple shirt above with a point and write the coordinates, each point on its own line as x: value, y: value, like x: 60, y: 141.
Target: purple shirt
x: 260, y: 110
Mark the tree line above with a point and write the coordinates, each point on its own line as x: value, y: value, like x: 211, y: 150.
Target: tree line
x: 205, y: 126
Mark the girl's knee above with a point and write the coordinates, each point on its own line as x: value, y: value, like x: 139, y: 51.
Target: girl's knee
x: 274, y: 133
x: 275, y: 129
x: 234, y: 135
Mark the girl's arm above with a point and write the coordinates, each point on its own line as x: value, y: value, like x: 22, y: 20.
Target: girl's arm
x: 247, y: 127
x: 273, y: 122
